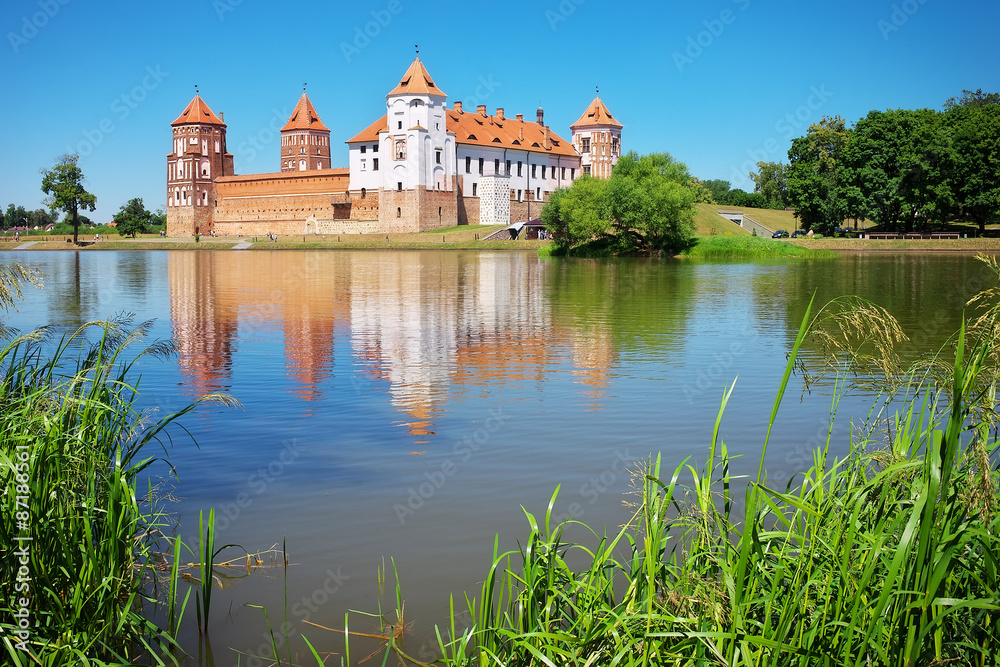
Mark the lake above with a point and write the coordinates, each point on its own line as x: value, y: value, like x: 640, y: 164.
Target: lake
x: 404, y: 405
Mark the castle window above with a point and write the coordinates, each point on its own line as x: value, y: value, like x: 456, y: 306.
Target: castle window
x: 302, y: 165
x: 518, y: 195
x: 519, y: 173
x: 508, y: 168
x: 437, y: 157
x: 585, y: 145
x: 496, y: 166
x: 364, y: 149
x: 399, y: 212
x: 363, y: 165
x: 374, y: 148
x: 572, y: 173
x: 534, y: 170
x: 538, y: 196
x: 302, y: 150
x: 586, y: 170
x: 319, y: 165
x: 399, y: 186
x: 375, y: 164
x: 468, y: 164
x: 399, y: 125
x: 364, y: 193
x: 400, y: 149
x: 481, y: 166
x: 543, y: 172
x: 474, y: 189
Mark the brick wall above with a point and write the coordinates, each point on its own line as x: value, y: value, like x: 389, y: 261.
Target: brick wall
x: 417, y: 210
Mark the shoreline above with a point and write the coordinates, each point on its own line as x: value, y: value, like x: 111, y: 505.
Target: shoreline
x: 452, y: 240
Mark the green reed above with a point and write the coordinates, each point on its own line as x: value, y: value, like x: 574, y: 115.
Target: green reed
x: 73, y: 444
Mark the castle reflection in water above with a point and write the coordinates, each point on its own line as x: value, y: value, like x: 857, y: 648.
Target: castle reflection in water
x: 429, y: 325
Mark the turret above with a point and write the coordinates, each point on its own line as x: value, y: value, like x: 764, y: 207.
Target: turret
x: 198, y: 157
x: 305, y: 140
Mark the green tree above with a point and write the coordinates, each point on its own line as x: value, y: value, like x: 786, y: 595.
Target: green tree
x: 647, y: 205
x: 40, y: 219
x: 64, y: 185
x: 771, y: 180
x: 814, y: 174
x: 16, y: 216
x: 975, y: 99
x: 719, y: 189
x: 976, y: 184
x: 577, y: 214
x: 133, y: 218
x: 651, y: 203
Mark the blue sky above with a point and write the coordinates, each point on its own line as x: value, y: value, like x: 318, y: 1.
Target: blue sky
x: 717, y: 84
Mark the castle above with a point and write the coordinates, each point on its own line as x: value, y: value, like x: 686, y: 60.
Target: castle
x: 419, y: 167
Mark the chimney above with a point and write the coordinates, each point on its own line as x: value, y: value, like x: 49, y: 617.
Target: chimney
x: 541, y: 116
x: 520, y: 117
x: 500, y: 113
x: 458, y: 107
x: 547, y: 143
x: 222, y: 116
x: 481, y: 110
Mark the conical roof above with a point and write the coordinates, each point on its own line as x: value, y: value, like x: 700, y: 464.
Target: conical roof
x: 198, y: 112
x: 305, y: 117
x: 417, y: 81
x: 596, y: 114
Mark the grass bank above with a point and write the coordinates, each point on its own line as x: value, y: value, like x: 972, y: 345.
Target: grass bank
x: 751, y: 247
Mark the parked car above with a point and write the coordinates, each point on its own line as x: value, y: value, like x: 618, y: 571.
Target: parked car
x: 780, y: 234
x: 799, y: 232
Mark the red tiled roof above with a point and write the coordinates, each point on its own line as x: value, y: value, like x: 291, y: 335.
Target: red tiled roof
x: 478, y: 130
x: 198, y: 112
x: 370, y: 133
x: 417, y: 81
x: 305, y: 117
x: 596, y: 114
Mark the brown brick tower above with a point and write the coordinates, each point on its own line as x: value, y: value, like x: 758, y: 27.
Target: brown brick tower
x: 199, y: 157
x: 597, y: 136
x: 305, y: 140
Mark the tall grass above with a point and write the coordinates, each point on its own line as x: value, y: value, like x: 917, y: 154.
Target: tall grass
x: 885, y: 556
x: 73, y: 444
x: 750, y: 247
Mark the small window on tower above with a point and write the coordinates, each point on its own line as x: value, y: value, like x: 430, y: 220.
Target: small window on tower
x: 474, y: 189
x: 437, y: 157
x: 399, y: 125
x: 375, y: 164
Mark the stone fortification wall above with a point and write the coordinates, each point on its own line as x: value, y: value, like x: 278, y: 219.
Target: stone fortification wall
x: 280, y: 203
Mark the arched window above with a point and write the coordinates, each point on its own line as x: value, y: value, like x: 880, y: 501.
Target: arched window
x: 364, y: 193
x: 399, y: 213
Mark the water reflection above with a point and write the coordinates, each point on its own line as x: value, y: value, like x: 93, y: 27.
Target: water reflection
x: 432, y: 326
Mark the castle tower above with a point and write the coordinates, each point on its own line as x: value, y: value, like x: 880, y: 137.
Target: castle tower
x: 418, y: 155
x: 597, y: 137
x: 199, y: 157
x: 305, y: 140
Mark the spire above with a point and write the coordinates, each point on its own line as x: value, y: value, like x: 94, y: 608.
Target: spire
x: 198, y: 112
x: 305, y: 117
x: 417, y: 81
x: 596, y: 114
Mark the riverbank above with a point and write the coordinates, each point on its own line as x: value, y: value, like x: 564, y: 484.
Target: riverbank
x: 464, y: 240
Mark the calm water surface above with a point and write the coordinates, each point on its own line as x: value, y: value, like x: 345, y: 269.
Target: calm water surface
x: 406, y: 405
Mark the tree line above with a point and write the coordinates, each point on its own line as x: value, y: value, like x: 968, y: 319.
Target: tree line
x: 64, y: 187
x: 904, y: 169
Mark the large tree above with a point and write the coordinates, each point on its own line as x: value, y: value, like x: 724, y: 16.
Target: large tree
x: 814, y: 175
x: 975, y: 133
x: 771, y: 180
x: 646, y: 205
x: 16, y: 216
x: 133, y: 218
x: 64, y: 185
